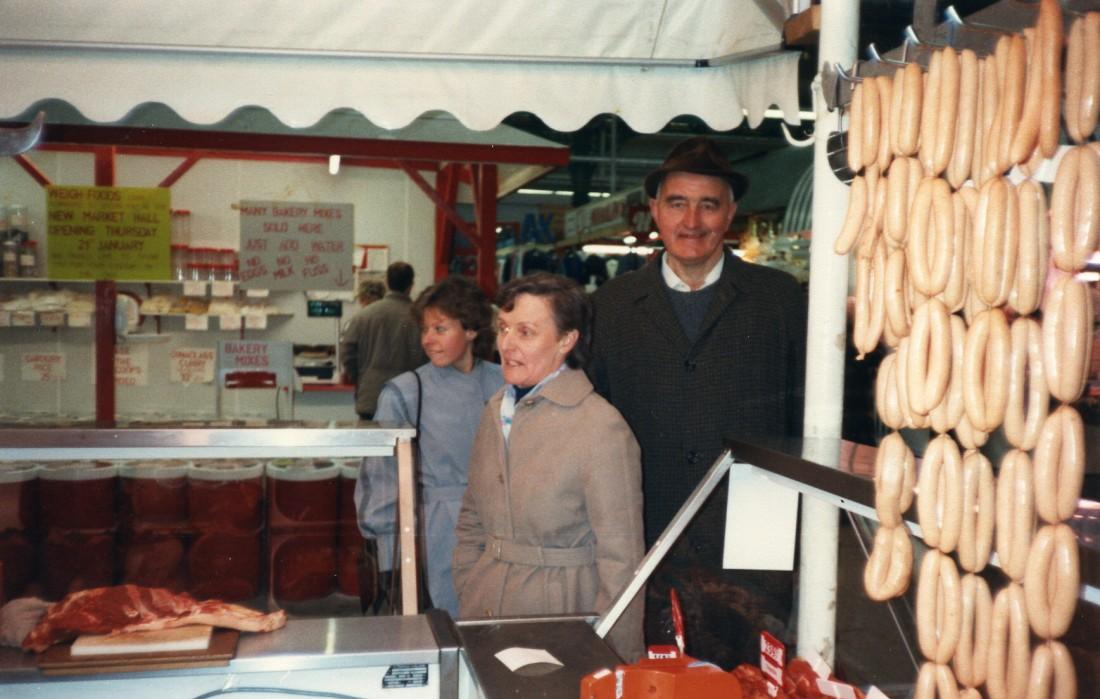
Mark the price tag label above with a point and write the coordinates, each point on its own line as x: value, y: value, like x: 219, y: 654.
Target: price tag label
x: 257, y: 293
x: 80, y: 319
x: 773, y: 658
x: 22, y: 319
x: 51, y: 319
x: 194, y: 288
x: 832, y: 688
x: 194, y: 321
x: 229, y: 322
x: 221, y: 288
x: 5, y: 319
x: 255, y: 321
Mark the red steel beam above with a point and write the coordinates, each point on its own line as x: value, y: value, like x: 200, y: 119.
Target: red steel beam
x: 238, y: 155
x: 127, y: 136
x: 485, y: 214
x: 32, y: 170
x: 446, y: 183
x: 105, y: 292
x: 181, y: 170
x: 439, y: 201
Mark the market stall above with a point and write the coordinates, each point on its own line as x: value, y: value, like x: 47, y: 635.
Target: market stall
x: 651, y: 64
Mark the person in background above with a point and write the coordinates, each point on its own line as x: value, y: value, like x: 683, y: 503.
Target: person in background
x: 381, y: 341
x: 446, y: 396
x: 369, y: 292
x: 551, y: 521
x: 695, y: 347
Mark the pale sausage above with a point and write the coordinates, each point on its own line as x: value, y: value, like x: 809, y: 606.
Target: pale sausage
x: 1015, y: 513
x: 1059, y: 464
x: 1028, y: 395
x: 978, y: 504
x: 972, y: 653
x: 940, y: 497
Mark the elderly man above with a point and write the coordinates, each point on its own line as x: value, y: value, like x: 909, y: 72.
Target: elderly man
x: 382, y: 340
x: 695, y: 347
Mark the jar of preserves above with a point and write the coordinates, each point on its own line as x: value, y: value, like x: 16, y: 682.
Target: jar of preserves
x: 9, y: 250
x: 181, y: 227
x: 28, y: 259
x: 303, y: 511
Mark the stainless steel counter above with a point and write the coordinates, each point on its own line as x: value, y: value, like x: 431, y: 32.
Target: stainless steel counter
x: 332, y: 653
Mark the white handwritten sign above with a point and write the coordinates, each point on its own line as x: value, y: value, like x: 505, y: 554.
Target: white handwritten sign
x: 296, y: 245
x: 43, y: 366
x: 190, y: 365
x: 132, y: 366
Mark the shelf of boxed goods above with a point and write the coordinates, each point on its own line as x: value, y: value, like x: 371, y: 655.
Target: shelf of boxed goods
x: 802, y: 464
x: 58, y: 304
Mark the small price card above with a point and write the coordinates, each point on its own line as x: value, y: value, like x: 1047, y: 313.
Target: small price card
x: 255, y: 321
x: 257, y: 293
x: 221, y: 288
x: 5, y: 319
x: 229, y: 322
x: 80, y: 320
x: 194, y: 288
x: 194, y: 321
x: 773, y: 657
x: 51, y: 319
x: 22, y: 319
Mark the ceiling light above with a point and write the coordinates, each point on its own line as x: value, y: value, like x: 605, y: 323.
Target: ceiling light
x: 630, y: 239
x: 654, y: 235
x: 333, y: 164
x: 604, y: 249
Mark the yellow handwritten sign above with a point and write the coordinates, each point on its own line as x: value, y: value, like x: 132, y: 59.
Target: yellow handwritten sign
x: 108, y: 233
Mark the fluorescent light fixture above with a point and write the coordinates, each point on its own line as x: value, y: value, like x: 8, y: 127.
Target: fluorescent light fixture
x: 559, y: 193
x: 602, y: 249
x: 333, y: 164
x: 774, y: 113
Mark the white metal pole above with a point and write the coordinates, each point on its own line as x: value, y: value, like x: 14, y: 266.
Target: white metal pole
x: 825, y: 346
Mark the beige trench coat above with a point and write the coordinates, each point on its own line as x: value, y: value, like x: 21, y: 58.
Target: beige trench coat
x: 552, y: 522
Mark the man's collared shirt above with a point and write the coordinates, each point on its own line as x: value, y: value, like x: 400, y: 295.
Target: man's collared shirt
x: 674, y: 282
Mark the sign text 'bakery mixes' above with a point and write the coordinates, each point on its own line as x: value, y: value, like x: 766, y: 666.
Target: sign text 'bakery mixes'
x: 121, y: 233
x: 296, y: 245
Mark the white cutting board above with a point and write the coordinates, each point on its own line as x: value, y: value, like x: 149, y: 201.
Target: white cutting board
x: 196, y: 637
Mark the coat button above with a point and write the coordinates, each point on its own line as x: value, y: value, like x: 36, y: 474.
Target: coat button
x: 488, y: 612
x: 500, y: 478
x: 689, y: 365
x: 693, y: 457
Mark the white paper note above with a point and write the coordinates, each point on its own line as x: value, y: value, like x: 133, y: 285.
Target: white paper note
x: 514, y: 658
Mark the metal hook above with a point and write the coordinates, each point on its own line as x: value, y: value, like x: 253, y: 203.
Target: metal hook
x: 808, y: 141
x: 874, y: 55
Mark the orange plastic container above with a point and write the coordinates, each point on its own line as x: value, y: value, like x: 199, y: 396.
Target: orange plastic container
x: 666, y: 674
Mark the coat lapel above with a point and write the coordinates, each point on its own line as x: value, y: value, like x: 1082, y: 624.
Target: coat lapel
x: 725, y: 292
x: 658, y: 309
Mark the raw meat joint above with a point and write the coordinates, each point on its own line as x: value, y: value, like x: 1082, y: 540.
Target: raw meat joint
x: 125, y: 608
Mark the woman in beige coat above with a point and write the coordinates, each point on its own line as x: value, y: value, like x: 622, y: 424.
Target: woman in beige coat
x: 551, y: 521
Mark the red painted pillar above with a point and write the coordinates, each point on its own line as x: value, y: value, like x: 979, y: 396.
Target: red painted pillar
x: 105, y: 314
x: 446, y: 185
x: 485, y: 213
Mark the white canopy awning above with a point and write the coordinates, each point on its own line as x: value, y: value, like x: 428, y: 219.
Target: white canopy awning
x: 566, y: 61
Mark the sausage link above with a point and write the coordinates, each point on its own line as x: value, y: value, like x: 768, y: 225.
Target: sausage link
x: 1090, y: 76
x: 1015, y: 513
x: 968, y: 436
x: 940, y: 498
x: 1052, y: 674
x: 985, y: 370
x: 1086, y: 211
x: 886, y: 99
x: 1074, y: 79
x: 1027, y: 134
x: 954, y: 292
x: 912, y: 105
x: 1012, y: 102
x: 958, y: 170
x: 929, y: 362
x: 978, y: 506
x: 930, y: 107
x: 853, y: 219
x: 870, y: 308
x: 976, y: 612
x: 1059, y: 464
x: 1063, y: 202
x: 1050, y: 32
x: 1034, y: 246
x: 1052, y: 580
x: 947, y: 111
x: 1028, y: 395
x: 1067, y: 337
x: 890, y: 564
x: 855, y: 129
x: 1009, y: 649
x: 946, y: 415
x: 939, y: 607
x: 894, y: 469
x: 872, y: 115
